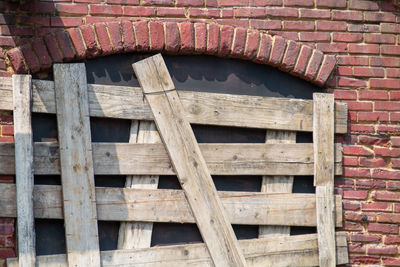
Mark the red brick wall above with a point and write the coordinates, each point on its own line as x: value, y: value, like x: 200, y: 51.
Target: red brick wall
x: 359, y: 40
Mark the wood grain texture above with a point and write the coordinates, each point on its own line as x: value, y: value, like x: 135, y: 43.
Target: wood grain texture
x: 164, y: 205
x: 76, y: 163
x: 188, y: 162
x: 152, y: 159
x: 200, y: 108
x: 277, y: 184
x: 23, y: 138
x: 138, y: 234
x: 301, y: 250
x: 323, y: 136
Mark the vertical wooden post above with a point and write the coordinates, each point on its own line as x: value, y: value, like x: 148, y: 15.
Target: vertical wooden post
x: 277, y: 184
x: 134, y: 235
x: 323, y: 135
x: 76, y: 165
x: 22, y: 98
x: 188, y: 162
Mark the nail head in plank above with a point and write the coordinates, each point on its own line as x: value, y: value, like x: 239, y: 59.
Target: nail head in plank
x: 77, y: 175
x: 164, y: 205
x: 301, y: 251
x: 323, y: 136
x: 188, y: 162
x: 22, y: 98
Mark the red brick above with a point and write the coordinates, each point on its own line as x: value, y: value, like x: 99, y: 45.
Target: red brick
x: 7, y: 41
x: 373, y: 95
x: 379, y: 17
x: 329, y: 3
x: 78, y: 43
x: 65, y: 46
x: 104, y: 40
x: 37, y: 7
x: 30, y: 58
x: 253, y: 38
x: 351, y: 205
x: 372, y: 163
x: 393, y: 73
x: 394, y: 95
x: 382, y: 250
x: 388, y: 129
x: 360, y: 259
x: 356, y: 172
x: 390, y: 28
x: 352, y: 60
x: 368, y: 72
x: 298, y: 25
x: 356, y: 248
x: 376, y: 206
x: 344, y: 183
x: 364, y: 237
x: 105, y: 10
x: 385, y: 83
x: 266, y: 24
x: 363, y: 5
x: 7, y: 253
x: 234, y: 22
x: 390, y: 49
x: 277, y: 51
x: 314, y: 65
x: 248, y: 12
x: 325, y: 25
x: 142, y: 35
x: 75, y: 9
x: 203, y: 13
x: 370, y: 184
x: 212, y: 39
x: 393, y: 185
x: 170, y: 12
x: 116, y: 37
x: 200, y: 32
x: 16, y: 59
x: 326, y: 69
x: 315, y: 14
x: 286, y: 12
x: 345, y: 94
x: 387, y: 196
x: 159, y: 2
x: 265, y: 49
x: 291, y: 55
x: 389, y: 218
x: 364, y: 48
x: 378, y: 38
x: 385, y: 61
x: 349, y: 82
x: 139, y: 11
x: 156, y: 36
x: 386, y: 174
x: 7, y: 130
x: 95, y: 19
x: 172, y: 39
x: 392, y: 239
x: 303, y: 60
x: 387, y: 105
x: 314, y: 36
x: 66, y: 22
x: 347, y: 15
x: 372, y: 140
x: 352, y: 226
x: 186, y: 3
x: 128, y: 36
x: 124, y: 2
x: 395, y: 141
x: 308, y: 3
x: 391, y: 261
x: 239, y: 42
x: 355, y: 194
x: 383, y: 228
x: 90, y: 40
x: 187, y: 37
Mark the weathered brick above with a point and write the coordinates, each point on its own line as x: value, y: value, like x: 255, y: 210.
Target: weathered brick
x: 355, y: 194
x: 65, y: 46
x: 386, y: 174
x: 315, y: 36
x: 142, y: 35
x: 373, y: 95
x: 345, y: 94
x: 302, y: 62
x: 326, y: 69
x: 204, y: 13
x: 266, y: 24
x: 326, y: 25
x: 103, y: 38
x: 390, y: 49
x: 298, y: 25
x: 265, y: 49
x: 286, y: 12
x: 16, y: 59
x: 172, y: 39
x: 376, y: 206
x: 364, y: 237
x: 349, y: 82
x: 116, y: 37
x: 388, y: 218
x: 392, y: 239
x: 90, y: 40
x: 78, y: 43
x: 212, y: 38
x: 200, y: 32
x: 379, y: 17
x: 30, y: 58
x: 66, y: 21
x: 187, y: 37
x: 368, y: 162
x: 379, y: 38
x: 333, y: 4
x: 356, y: 172
x: 364, y: 48
x: 105, y: 10
x: 156, y: 36
x: 383, y: 228
x: 277, y: 51
x: 363, y: 5
x: 139, y: 11
x: 347, y: 15
x: 170, y: 12
x: 382, y: 250
x: 315, y: 14
x: 251, y: 49
x: 368, y: 72
x: 74, y: 9
x: 384, y: 83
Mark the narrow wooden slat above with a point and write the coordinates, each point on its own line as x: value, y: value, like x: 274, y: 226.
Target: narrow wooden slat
x: 161, y: 205
x: 277, y: 184
x: 200, y: 108
x: 301, y: 250
x: 76, y: 163
x: 188, y: 162
x: 138, y: 234
x: 152, y: 159
x: 323, y: 136
x: 24, y: 168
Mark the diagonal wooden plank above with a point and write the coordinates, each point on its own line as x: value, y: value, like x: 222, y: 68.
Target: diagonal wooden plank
x: 323, y: 136
x: 165, y: 205
x: 200, y: 108
x: 22, y: 94
x: 277, y: 184
x: 188, y: 162
x: 76, y: 162
x: 300, y: 251
x: 138, y: 234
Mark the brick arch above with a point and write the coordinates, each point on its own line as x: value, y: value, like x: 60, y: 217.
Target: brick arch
x: 181, y: 38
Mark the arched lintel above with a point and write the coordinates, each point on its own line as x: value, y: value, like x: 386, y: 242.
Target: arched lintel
x: 178, y: 38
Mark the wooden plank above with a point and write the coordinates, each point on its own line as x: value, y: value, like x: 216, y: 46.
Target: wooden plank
x: 138, y: 234
x: 323, y: 136
x: 301, y: 250
x: 277, y: 184
x: 76, y: 163
x: 152, y: 159
x: 161, y: 205
x: 188, y: 162
x: 24, y: 168
x: 200, y: 108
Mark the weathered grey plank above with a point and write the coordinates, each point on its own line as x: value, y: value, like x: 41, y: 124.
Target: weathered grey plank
x: 160, y: 205
x: 301, y: 250
x: 188, y: 162
x: 152, y: 159
x: 200, y: 108
x: 24, y: 168
x: 76, y: 162
x: 138, y: 234
x: 277, y: 184
x: 323, y: 136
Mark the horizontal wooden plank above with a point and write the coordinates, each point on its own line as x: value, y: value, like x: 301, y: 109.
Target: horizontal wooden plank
x: 152, y: 159
x: 300, y: 250
x: 201, y: 108
x: 161, y: 205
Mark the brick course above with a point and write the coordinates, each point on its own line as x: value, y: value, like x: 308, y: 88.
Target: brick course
x: 349, y: 47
